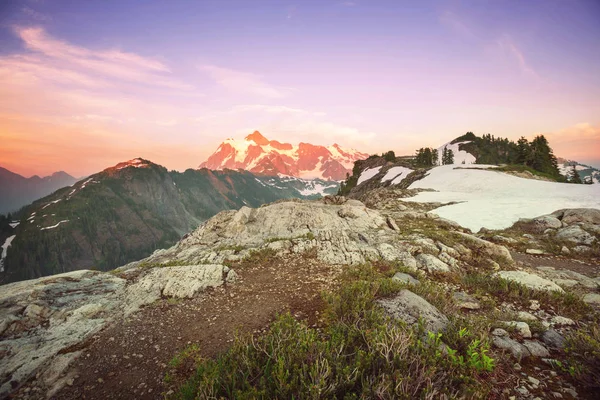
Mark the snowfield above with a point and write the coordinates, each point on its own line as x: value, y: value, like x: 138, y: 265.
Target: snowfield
x: 367, y: 174
x: 496, y: 200
x: 460, y: 156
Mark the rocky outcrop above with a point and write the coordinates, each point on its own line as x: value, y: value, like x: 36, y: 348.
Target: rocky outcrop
x: 410, y: 308
x: 44, y: 320
x: 529, y: 280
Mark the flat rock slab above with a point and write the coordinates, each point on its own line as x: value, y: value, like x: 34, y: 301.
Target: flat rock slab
x: 409, y: 307
x: 531, y: 281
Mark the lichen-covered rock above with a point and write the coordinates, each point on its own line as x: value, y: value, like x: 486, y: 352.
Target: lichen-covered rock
x: 575, y: 234
x: 578, y: 215
x: 432, y: 263
x: 405, y: 278
x: 496, y: 252
x: 531, y: 281
x: 409, y: 307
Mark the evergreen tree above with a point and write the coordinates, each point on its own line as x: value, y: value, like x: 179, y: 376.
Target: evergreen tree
x: 523, y: 151
x: 575, y: 178
x: 390, y: 156
x: 450, y: 157
x: 445, y: 156
x: 435, y: 156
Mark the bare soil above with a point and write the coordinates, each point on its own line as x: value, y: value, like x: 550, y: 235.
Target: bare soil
x: 587, y: 268
x: 129, y: 359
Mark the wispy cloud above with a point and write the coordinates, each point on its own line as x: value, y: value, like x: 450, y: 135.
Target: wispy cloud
x: 508, y: 46
x: 246, y: 82
x: 349, y: 3
x: 111, y: 63
x: 453, y: 21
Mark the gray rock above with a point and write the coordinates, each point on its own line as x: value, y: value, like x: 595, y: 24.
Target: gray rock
x: 575, y: 234
x: 536, y: 349
x: 535, y: 251
x: 577, y: 215
x: 547, y: 221
x: 526, y: 316
x: 515, y: 348
x: 565, y: 250
x: 496, y: 252
x: 568, y: 278
x: 553, y: 339
x: 562, y: 321
x: 392, y: 224
x: 592, y: 298
x: 521, y: 327
x: 499, y: 332
x: 432, y: 263
x: 503, y: 239
x: 409, y: 307
x: 466, y: 301
x: 532, y: 281
x: 405, y: 278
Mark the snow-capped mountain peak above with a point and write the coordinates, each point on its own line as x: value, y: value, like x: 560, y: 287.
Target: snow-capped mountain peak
x: 259, y: 155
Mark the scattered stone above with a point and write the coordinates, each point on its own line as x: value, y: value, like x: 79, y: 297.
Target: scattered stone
x: 592, y: 298
x: 547, y: 222
x: 535, y: 251
x: 575, y: 234
x: 521, y: 327
x: 515, y: 348
x: 553, y: 339
x: 558, y: 320
x: 405, y: 278
x: 392, y: 224
x: 536, y: 349
x: 494, y: 251
x: 503, y: 239
x: 499, y: 332
x: 531, y: 281
x: 526, y: 316
x: 432, y: 263
x: 466, y: 301
x: 565, y: 250
x: 534, y: 305
x: 409, y: 307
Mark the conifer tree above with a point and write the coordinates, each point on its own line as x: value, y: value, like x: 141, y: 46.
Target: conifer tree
x: 575, y: 178
x: 450, y: 157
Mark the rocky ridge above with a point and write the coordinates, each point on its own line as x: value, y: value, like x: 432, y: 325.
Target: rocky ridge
x: 50, y: 318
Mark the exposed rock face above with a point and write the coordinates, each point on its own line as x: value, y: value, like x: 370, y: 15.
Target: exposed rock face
x: 44, y: 317
x: 578, y: 215
x: 498, y: 253
x: 531, y: 281
x: 575, y: 234
x: 410, y: 307
x: 346, y: 233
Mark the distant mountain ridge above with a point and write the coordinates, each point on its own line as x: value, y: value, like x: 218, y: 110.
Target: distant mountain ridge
x: 129, y: 210
x: 17, y: 191
x: 262, y: 156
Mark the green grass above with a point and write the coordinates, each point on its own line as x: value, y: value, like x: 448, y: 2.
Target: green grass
x: 567, y: 304
x: 523, y: 168
x: 358, y: 352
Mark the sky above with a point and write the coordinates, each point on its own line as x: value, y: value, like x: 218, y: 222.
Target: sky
x: 85, y: 85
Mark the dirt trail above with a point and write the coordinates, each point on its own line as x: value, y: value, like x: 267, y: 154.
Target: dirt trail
x: 590, y: 269
x: 129, y: 360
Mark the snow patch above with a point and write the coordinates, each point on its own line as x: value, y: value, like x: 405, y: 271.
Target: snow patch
x: 396, y: 172
x: 54, y: 226
x: 496, y: 200
x: 460, y: 156
x: 5, y: 247
x: 52, y: 202
x: 367, y: 174
x: 14, y: 224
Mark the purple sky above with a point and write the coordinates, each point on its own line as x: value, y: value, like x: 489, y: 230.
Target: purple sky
x: 84, y: 85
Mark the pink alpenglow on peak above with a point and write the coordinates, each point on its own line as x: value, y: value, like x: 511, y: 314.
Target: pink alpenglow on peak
x: 262, y: 156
